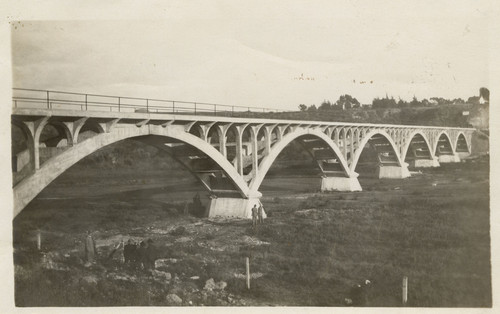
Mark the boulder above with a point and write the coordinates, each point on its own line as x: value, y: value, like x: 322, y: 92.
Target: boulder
x: 90, y: 279
x: 220, y: 285
x: 210, y: 284
x: 161, y: 275
x: 174, y: 299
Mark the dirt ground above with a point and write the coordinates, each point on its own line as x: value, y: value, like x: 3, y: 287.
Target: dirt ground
x: 312, y: 250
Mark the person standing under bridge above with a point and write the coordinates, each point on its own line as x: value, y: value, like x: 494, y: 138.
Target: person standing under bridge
x: 261, y: 214
x: 254, y: 216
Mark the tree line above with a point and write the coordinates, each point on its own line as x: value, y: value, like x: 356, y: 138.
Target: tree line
x: 349, y: 102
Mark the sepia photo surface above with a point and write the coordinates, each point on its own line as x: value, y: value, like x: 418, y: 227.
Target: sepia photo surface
x: 310, y: 155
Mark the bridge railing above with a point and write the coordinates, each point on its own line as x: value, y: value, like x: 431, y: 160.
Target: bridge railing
x: 50, y: 99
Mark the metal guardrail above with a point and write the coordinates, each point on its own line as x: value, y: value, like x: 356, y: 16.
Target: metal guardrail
x: 50, y: 99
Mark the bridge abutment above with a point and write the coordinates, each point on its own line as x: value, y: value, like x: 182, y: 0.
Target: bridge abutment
x: 342, y: 184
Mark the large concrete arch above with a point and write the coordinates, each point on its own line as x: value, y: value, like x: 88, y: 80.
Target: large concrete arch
x: 408, y: 143
x: 436, y: 141
x: 365, y: 140
x: 287, y: 139
x: 30, y: 187
x: 465, y: 138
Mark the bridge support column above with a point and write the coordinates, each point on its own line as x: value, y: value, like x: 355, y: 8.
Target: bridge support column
x: 234, y: 207
x: 425, y: 163
x: 350, y: 184
x: 448, y: 158
x: 393, y: 172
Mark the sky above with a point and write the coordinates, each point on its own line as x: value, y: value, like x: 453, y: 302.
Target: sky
x: 270, y: 56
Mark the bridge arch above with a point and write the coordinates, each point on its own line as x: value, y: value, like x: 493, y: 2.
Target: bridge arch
x: 30, y: 187
x: 268, y: 161
x: 410, y: 139
x: 461, y: 144
x: 366, y: 139
x: 442, y: 136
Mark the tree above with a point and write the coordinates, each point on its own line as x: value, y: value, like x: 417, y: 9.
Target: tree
x: 325, y: 105
x: 312, y: 108
x: 302, y: 107
x: 484, y: 93
x: 415, y: 103
x: 473, y: 100
x: 347, y: 102
x: 380, y: 103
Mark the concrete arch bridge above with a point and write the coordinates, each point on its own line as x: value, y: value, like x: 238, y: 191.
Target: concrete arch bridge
x: 230, y: 156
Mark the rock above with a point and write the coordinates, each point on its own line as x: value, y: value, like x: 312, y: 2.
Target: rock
x: 210, y: 284
x: 164, y: 262
x: 124, y: 277
x: 220, y: 285
x: 174, y: 299
x: 184, y: 239
x: 92, y: 280
x: 161, y: 275
x: 252, y: 275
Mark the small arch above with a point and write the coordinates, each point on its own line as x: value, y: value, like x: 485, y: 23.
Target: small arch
x: 89, y: 129
x: 231, y: 135
x: 21, y: 146
x: 275, y: 135
x: 53, y: 139
x: 196, y: 130
x: 214, y: 135
x: 55, y: 135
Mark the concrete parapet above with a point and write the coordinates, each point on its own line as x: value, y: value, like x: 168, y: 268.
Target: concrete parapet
x: 463, y: 155
x: 233, y: 207
x: 340, y: 184
x: 448, y: 158
x: 393, y: 172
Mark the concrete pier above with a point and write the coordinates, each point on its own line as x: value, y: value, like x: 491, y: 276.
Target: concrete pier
x: 233, y: 207
x: 425, y: 163
x: 349, y: 184
x: 393, y: 172
x: 448, y: 158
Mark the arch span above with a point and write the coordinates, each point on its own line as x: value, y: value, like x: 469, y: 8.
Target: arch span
x: 287, y: 139
x: 30, y: 187
x: 438, y: 138
x: 462, y: 148
x: 366, y: 139
x: 407, y: 145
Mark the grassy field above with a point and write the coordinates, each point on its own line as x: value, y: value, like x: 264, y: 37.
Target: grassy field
x: 311, y: 250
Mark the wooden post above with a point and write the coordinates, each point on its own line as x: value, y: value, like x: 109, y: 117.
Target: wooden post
x: 39, y: 240
x: 248, y: 272
x: 405, y: 290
